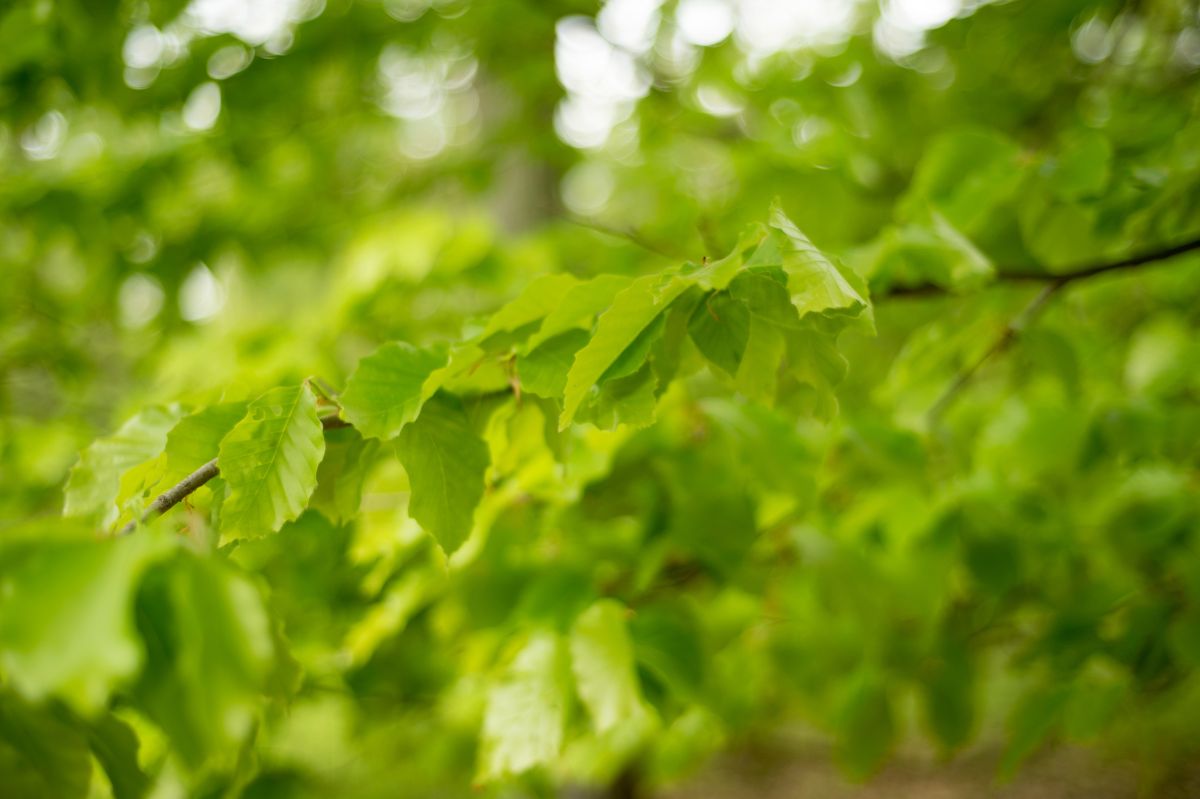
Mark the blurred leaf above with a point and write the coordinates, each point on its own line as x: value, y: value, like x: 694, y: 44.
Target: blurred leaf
x: 527, y: 711
x: 602, y: 660
x: 209, y: 653
x: 92, y: 490
x: 41, y: 756
x: 66, y: 617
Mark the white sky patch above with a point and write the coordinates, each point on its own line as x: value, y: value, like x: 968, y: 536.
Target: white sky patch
x: 603, y: 80
x: 705, y: 22
x: 629, y: 24
x: 765, y: 27
x: 203, y: 106
x: 42, y: 140
x: 139, y: 300
x: 588, y: 187
x: 201, y: 297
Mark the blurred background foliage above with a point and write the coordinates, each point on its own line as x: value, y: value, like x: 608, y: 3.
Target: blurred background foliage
x: 204, y: 199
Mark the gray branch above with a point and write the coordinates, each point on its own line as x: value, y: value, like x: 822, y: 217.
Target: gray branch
x: 177, y: 493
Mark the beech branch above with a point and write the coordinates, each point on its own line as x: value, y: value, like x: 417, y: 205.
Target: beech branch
x: 188, y: 485
x: 1053, y: 284
x: 1080, y: 272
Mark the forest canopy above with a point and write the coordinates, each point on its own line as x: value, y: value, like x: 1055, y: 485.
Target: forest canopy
x: 528, y: 397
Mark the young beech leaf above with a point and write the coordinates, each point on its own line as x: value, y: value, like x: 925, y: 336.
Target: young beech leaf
x: 579, y: 306
x: 92, y: 488
x: 720, y: 327
x: 632, y: 311
x: 269, y: 460
x: 41, y: 755
x: 866, y: 725
x: 602, y: 660
x: 66, y: 617
x: 446, y: 462
x: 389, y: 387
x: 817, y: 286
x: 340, y: 477
x: 194, y: 441
x: 527, y: 712
x: 209, y: 654
x: 115, y: 746
x: 544, y: 370
x: 543, y: 294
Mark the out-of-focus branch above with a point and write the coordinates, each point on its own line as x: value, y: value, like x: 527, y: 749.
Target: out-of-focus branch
x: 1053, y: 284
x: 1024, y: 275
x: 632, y: 236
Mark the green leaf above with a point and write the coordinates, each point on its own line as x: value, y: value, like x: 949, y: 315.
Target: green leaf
x: 341, y: 474
x: 1035, y: 717
x: 526, y: 714
x: 625, y: 401
x: 967, y: 175
x: 95, y: 480
x: 210, y: 652
x: 66, y: 621
x: 544, y: 370
x: 194, y: 441
x: 115, y: 746
x: 632, y: 311
x: 816, y: 285
x: 949, y: 698
x: 41, y: 756
x: 542, y: 296
x: 579, y: 306
x: 866, y: 725
x: 666, y: 642
x: 269, y: 460
x: 757, y: 374
x: 389, y: 387
x: 446, y: 462
x: 602, y: 660
x: 720, y: 327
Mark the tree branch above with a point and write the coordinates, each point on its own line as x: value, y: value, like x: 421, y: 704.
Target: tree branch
x: 178, y: 492
x: 632, y: 236
x: 1011, y: 331
x: 1053, y: 284
x: 1023, y: 275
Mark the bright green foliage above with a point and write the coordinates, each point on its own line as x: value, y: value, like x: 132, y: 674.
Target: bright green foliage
x: 389, y: 387
x: 67, y: 621
x: 41, y: 757
x: 527, y: 710
x: 618, y: 330
x: 95, y: 481
x: 269, y: 460
x: 602, y: 660
x: 446, y: 461
x: 209, y: 654
x: 593, y: 388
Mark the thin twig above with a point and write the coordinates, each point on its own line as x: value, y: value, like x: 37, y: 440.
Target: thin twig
x: 632, y: 236
x: 188, y: 485
x: 1022, y: 320
x: 1023, y: 275
x: 1007, y: 337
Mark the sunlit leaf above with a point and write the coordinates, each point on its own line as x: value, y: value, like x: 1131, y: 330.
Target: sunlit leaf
x: 269, y: 460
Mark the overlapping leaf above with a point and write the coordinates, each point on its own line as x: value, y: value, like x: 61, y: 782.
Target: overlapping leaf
x: 269, y: 460
x: 446, y: 461
x: 388, y: 388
